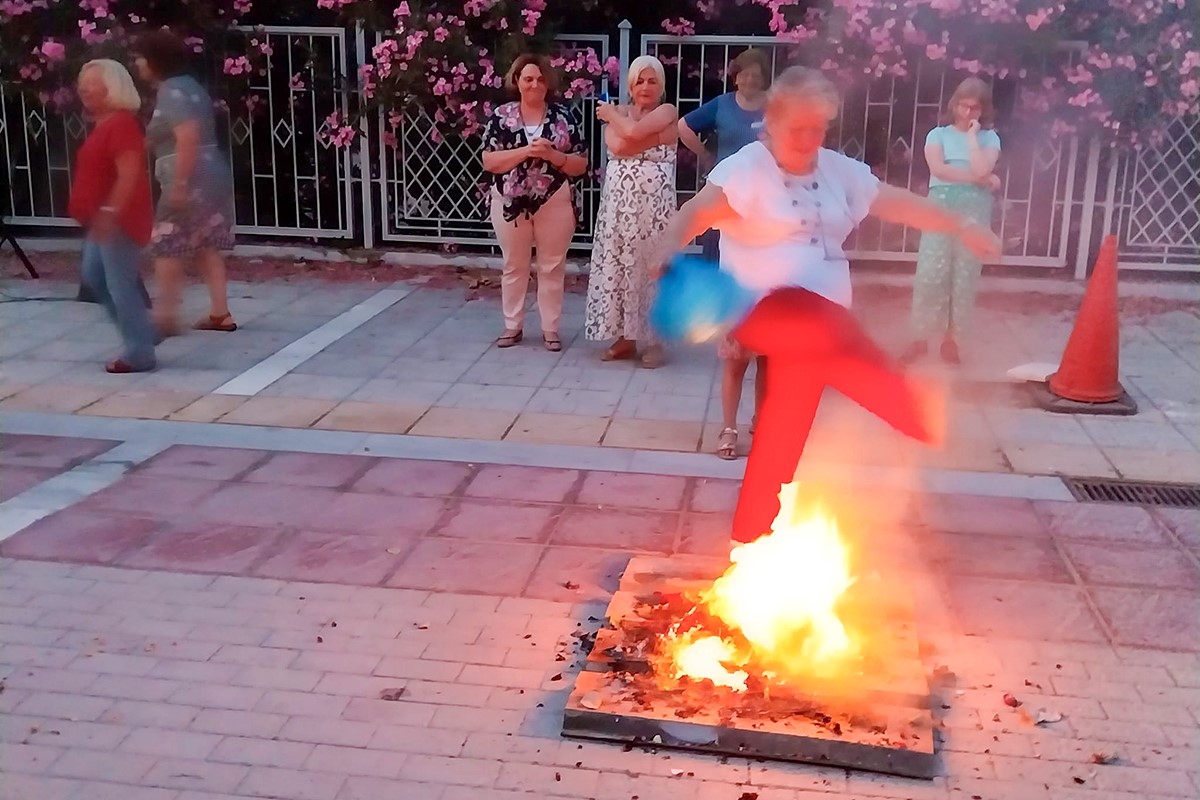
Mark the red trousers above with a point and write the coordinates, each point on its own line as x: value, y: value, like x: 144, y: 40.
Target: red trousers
x: 809, y: 343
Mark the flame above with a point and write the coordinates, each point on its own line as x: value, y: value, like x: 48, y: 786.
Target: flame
x: 780, y: 595
x: 705, y: 657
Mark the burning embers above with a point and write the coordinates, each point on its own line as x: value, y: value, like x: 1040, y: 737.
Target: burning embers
x: 794, y: 651
x: 774, y: 614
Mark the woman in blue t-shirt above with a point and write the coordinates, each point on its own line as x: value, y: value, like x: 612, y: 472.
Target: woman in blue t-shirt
x: 736, y: 118
x: 962, y: 155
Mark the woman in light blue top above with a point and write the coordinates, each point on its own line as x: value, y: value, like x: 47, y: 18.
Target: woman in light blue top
x: 962, y: 155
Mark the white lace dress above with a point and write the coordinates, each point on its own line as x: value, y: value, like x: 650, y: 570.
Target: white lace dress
x: 637, y: 201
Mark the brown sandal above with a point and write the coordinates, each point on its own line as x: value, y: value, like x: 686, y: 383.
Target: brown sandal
x: 223, y: 323
x: 552, y: 342
x: 620, y: 350
x: 120, y: 366
x: 509, y: 339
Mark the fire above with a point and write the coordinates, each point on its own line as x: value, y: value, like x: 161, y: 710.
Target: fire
x: 778, y: 602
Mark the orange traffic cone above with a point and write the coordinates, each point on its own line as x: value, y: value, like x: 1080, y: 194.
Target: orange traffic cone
x: 1088, y: 372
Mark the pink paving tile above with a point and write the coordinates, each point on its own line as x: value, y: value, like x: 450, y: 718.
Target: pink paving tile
x: 14, y: 480
x: 207, y: 463
x: 1101, y: 522
x: 360, y: 512
x: 715, y: 495
x: 996, y: 557
x: 621, y: 530
x: 574, y: 574
x: 265, y: 506
x: 1022, y: 610
x: 192, y: 547
x: 81, y: 536
x: 1121, y: 565
x: 355, y: 559
x: 1151, y: 618
x: 523, y: 483
x: 706, y: 534
x: 633, y: 490
x: 1001, y: 516
x: 400, y: 476
x: 454, y: 565
x: 50, y: 452
x: 151, y: 496
x: 1184, y: 522
x: 495, y: 520
x: 310, y: 469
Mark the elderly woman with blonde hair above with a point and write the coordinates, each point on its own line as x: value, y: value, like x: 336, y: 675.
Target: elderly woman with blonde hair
x: 636, y: 202
x: 785, y: 206
x: 110, y: 198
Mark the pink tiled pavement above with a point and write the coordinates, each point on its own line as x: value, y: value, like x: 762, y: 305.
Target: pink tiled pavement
x: 1010, y: 568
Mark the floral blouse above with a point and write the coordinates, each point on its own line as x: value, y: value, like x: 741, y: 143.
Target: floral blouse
x: 527, y: 186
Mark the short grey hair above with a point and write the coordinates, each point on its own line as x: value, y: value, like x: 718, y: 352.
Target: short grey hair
x: 643, y: 63
x: 804, y: 85
x: 122, y: 93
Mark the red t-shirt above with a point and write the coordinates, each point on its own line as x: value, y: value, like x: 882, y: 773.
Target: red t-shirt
x: 96, y: 172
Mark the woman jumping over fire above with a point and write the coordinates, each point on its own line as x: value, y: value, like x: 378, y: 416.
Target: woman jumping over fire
x: 784, y: 206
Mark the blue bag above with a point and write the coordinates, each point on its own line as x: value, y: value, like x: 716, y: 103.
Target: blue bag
x: 696, y: 301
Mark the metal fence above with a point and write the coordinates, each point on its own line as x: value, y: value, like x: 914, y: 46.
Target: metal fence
x: 1058, y: 196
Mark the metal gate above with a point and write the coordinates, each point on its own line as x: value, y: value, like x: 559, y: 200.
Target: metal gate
x: 289, y: 180
x: 884, y: 124
x: 431, y: 183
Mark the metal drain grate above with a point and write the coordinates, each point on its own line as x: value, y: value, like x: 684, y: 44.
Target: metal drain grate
x: 1100, y: 490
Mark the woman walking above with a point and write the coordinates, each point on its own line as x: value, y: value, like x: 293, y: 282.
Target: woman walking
x: 962, y: 155
x: 194, y: 218
x: 110, y: 198
x: 784, y: 207
x: 532, y: 148
x: 636, y: 202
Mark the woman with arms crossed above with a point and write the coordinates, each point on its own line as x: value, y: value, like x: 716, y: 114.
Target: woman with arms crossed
x: 784, y: 207
x: 636, y: 202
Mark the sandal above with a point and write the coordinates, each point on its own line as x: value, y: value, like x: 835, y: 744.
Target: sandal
x: 552, y: 342
x: 509, y: 339
x: 223, y: 323
x: 652, y: 358
x: 727, y: 444
x: 120, y: 366
x: 620, y: 350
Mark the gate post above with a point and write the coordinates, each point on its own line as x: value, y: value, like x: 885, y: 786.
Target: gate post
x: 364, y: 147
x: 625, y: 27
x: 1091, y: 179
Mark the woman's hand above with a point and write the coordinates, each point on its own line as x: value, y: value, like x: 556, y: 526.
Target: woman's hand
x: 177, y: 197
x: 606, y: 112
x: 973, y: 128
x: 992, y: 182
x: 545, y: 150
x: 103, y: 225
x: 980, y: 241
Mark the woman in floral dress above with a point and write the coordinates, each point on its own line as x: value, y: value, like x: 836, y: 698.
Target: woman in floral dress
x: 194, y: 217
x: 637, y: 201
x: 533, y: 148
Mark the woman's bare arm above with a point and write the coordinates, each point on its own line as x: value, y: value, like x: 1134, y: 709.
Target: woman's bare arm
x: 501, y: 161
x: 689, y: 139
x: 983, y: 160
x: 662, y: 117
x: 707, y: 209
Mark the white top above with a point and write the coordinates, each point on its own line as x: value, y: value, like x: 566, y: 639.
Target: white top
x: 956, y: 148
x: 533, y: 131
x: 790, y: 228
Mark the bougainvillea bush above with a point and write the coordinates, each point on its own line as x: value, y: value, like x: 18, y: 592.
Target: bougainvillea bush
x: 1123, y: 68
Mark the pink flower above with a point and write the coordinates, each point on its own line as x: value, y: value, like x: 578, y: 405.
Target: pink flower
x: 402, y: 10
x: 296, y: 83
x: 30, y: 72
x: 440, y: 34
x: 237, y: 66
x: 935, y: 52
x: 1190, y: 88
x: 242, y: 6
x: 53, y: 51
